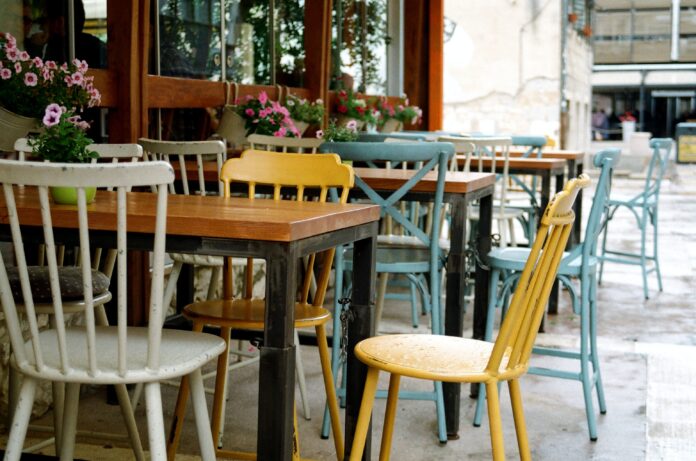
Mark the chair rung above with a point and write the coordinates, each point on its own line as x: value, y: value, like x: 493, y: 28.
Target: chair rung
x: 555, y: 373
x: 556, y: 353
x: 403, y: 395
x: 80, y: 433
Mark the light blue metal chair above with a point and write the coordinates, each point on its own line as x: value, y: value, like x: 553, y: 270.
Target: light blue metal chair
x: 380, y: 137
x: 531, y: 146
x: 411, y: 261
x: 644, y: 208
x: 581, y: 263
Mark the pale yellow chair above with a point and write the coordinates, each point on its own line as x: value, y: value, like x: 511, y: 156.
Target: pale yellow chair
x: 285, y: 173
x: 453, y: 359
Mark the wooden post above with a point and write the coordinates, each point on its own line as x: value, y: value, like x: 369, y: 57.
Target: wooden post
x: 318, y: 50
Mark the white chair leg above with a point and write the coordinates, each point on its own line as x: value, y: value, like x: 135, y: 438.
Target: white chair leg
x: 155, y: 422
x: 299, y: 370
x: 58, y: 391
x: 129, y: 420
x: 171, y: 287
x: 381, y: 292
x: 212, y: 286
x: 20, y: 420
x: 513, y: 240
x: 70, y: 409
x: 200, y: 410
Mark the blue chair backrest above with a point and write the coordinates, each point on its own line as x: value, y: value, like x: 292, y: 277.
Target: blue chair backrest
x: 605, y: 160
x: 662, y: 149
x: 532, y: 144
x: 433, y: 156
x: 380, y: 137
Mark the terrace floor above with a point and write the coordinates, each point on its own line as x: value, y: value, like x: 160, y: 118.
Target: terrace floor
x: 648, y: 359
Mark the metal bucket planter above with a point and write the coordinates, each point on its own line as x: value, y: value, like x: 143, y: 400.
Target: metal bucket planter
x: 391, y: 126
x: 13, y: 127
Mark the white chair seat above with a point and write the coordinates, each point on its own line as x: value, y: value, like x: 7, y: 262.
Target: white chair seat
x: 186, y: 352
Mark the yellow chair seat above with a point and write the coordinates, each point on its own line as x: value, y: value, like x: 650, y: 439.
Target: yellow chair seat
x: 248, y: 314
x: 433, y: 357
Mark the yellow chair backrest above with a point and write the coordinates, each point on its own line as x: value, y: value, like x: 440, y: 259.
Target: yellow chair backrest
x: 519, y: 329
x: 284, y: 171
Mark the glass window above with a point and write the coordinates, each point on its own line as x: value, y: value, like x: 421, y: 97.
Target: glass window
x: 360, y: 41
x: 247, y: 42
x: 41, y: 28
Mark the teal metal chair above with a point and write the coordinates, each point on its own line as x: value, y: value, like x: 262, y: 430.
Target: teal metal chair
x: 644, y: 208
x: 531, y: 147
x: 381, y: 137
x: 411, y: 261
x: 580, y: 263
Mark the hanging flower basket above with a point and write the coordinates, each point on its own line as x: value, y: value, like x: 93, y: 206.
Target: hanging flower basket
x: 13, y: 127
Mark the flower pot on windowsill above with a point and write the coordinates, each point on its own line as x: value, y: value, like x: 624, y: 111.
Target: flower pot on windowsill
x: 343, y: 121
x: 301, y: 126
x: 232, y: 127
x: 68, y: 195
x: 13, y: 127
x: 391, y: 126
x: 572, y: 18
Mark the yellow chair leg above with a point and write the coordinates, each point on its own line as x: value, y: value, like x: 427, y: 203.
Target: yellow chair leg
x: 365, y: 415
x: 220, y: 387
x: 495, y: 422
x: 518, y: 414
x: 331, y: 399
x: 389, y: 417
x: 179, y: 412
x: 295, y: 435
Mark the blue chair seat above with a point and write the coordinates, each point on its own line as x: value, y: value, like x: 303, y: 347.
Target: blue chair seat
x: 638, y: 201
x: 396, y: 260
x: 514, y: 258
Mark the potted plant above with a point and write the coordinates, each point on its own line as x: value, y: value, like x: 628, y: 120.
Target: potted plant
x: 305, y: 113
x: 28, y: 85
x: 263, y: 116
x: 339, y: 133
x: 349, y: 107
x: 394, y: 117
x: 63, y: 139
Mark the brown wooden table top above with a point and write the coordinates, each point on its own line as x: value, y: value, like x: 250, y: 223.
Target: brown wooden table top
x: 216, y: 217
x: 522, y: 163
x: 455, y: 182
x: 576, y: 155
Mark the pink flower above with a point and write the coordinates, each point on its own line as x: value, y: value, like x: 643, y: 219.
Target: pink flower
x: 5, y: 74
x: 10, y: 39
x: 64, y: 67
x: 38, y: 63
x: 249, y: 112
x: 50, y: 119
x: 352, y: 125
x: 281, y: 132
x: 263, y: 113
x: 46, y: 73
x: 68, y: 80
x: 320, y: 134
x: 31, y: 79
x: 51, y: 65
x: 263, y: 97
x: 54, y: 109
x: 24, y: 56
x: 12, y: 54
x: 18, y: 67
x: 81, y: 65
x: 77, y: 78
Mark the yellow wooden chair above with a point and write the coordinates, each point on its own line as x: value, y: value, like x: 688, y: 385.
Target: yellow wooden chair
x: 282, y: 171
x: 452, y: 359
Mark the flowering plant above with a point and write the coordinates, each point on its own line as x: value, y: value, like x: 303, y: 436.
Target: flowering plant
x: 63, y: 138
x: 402, y: 111
x: 263, y: 116
x: 28, y: 85
x: 350, y: 106
x: 302, y: 110
x: 339, y: 133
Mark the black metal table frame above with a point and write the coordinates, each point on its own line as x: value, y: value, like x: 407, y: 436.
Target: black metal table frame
x: 277, y: 364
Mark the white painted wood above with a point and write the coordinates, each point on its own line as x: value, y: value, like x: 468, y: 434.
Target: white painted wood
x: 94, y: 353
x: 277, y: 144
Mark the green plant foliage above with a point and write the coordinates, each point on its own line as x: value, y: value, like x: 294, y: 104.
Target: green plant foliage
x: 63, y: 138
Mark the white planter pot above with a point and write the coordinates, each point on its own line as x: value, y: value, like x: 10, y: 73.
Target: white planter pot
x: 13, y: 127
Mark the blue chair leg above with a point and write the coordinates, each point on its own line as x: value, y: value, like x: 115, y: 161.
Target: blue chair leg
x: 605, y: 231
x: 657, y: 260
x: 643, y: 259
x: 480, y: 405
x: 440, y: 408
x: 594, y: 351
x: 490, y: 319
x: 414, y: 305
x: 585, y: 361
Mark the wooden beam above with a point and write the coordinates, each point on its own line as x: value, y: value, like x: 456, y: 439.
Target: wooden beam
x: 317, y: 39
x: 436, y: 43
x: 415, y: 55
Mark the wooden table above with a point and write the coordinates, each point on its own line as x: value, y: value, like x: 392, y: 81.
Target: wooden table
x: 279, y: 232
x: 460, y: 189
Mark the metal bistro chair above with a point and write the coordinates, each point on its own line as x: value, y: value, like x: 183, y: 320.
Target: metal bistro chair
x: 284, y: 173
x: 453, y: 359
x: 644, y: 208
x: 529, y: 198
x: 410, y: 261
x: 94, y: 353
x: 69, y: 276
x: 275, y: 143
x: 581, y: 263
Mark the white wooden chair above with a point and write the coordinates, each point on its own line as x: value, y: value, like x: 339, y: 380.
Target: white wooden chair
x: 44, y: 305
x: 93, y: 353
x: 277, y: 144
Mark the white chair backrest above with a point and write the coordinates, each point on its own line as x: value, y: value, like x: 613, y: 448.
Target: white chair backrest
x: 117, y: 152
x: 277, y: 144
x: 180, y: 152
x: 462, y: 146
x: 497, y: 149
x: 31, y: 357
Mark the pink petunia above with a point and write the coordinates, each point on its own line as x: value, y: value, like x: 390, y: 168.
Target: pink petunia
x: 24, y: 56
x: 68, y: 80
x: 51, y: 65
x: 249, y: 112
x: 77, y: 78
x: 320, y: 134
x: 51, y: 119
x: 18, y: 67
x: 12, y: 54
x: 281, y: 132
x: 10, y: 39
x: 352, y: 125
x: 5, y: 74
x: 38, y: 62
x: 54, y: 109
x: 64, y: 67
x: 31, y: 79
x: 263, y: 97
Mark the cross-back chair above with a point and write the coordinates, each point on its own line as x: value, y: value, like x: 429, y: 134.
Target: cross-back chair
x: 581, y: 262
x: 454, y: 359
x: 414, y: 262
x: 93, y: 353
x: 275, y: 143
x: 285, y: 174
x: 644, y: 207
x: 102, y: 266
x: 529, y: 198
